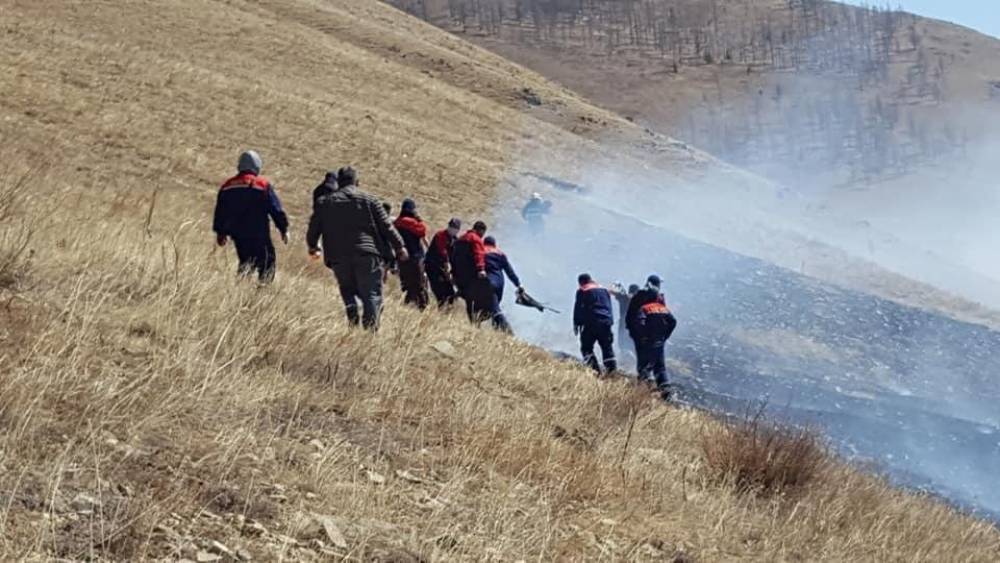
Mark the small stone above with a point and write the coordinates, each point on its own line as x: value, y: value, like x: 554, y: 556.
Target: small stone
x: 57, y: 504
x: 317, y: 443
x: 209, y: 515
x: 333, y: 533
x: 165, y: 530
x: 428, y: 503
x: 84, y: 503
x: 445, y: 348
x: 206, y: 557
x: 219, y: 548
x: 124, y: 490
x: 244, y: 555
x: 254, y: 528
x: 407, y: 476
x: 375, y: 477
x: 311, y: 496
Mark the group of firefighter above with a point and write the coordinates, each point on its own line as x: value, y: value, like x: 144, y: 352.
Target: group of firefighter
x: 354, y: 235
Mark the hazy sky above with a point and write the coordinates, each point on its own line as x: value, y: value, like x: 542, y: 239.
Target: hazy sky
x: 982, y: 15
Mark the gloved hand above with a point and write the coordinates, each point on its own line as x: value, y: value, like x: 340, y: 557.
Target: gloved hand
x: 220, y: 240
x: 284, y: 238
x: 520, y: 290
x: 482, y: 275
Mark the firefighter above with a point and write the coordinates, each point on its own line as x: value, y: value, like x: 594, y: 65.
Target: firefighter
x: 244, y: 209
x: 437, y: 263
x: 534, y: 213
x: 411, y: 273
x: 498, y: 268
x: 593, y: 322
x: 655, y: 323
x: 648, y: 294
x: 468, y: 266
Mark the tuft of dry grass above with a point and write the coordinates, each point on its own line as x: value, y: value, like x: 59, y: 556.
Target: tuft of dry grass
x: 764, y: 457
x: 15, y: 228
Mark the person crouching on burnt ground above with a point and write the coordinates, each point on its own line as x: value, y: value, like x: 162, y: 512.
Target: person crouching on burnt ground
x: 411, y: 273
x: 244, y: 209
x: 498, y: 268
x: 593, y: 322
x: 437, y: 263
x: 357, y: 236
x: 468, y: 266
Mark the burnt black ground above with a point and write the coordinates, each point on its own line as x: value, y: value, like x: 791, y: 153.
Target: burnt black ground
x: 909, y: 392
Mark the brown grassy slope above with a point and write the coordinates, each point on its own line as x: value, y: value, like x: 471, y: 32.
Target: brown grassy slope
x: 150, y: 405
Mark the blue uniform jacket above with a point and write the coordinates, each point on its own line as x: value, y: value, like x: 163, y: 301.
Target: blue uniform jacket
x: 497, y: 265
x: 593, y: 306
x: 245, y: 206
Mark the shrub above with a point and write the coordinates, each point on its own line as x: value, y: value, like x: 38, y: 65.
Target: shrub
x: 762, y: 457
x: 15, y: 229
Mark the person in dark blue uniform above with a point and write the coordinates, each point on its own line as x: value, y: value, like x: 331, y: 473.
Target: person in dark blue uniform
x: 244, y: 209
x: 498, y: 268
x: 593, y: 322
x: 654, y: 324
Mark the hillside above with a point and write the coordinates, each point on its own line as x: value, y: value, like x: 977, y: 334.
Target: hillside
x: 152, y: 407
x: 881, y: 123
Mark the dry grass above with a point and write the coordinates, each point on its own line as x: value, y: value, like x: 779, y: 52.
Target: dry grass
x: 16, y: 228
x: 150, y: 403
x: 764, y: 458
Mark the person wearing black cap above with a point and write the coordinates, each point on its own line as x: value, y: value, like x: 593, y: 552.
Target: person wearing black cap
x: 593, y: 321
x: 437, y: 263
x: 652, y: 325
x: 411, y: 273
x: 648, y: 294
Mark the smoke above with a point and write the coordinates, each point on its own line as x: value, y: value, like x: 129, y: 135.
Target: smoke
x: 905, y: 388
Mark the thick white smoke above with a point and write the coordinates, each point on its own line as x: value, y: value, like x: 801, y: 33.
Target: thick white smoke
x: 909, y: 389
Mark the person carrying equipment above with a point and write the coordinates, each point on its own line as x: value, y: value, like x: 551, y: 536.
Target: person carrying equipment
x: 411, y: 273
x: 357, y: 236
x: 534, y: 213
x: 497, y: 269
x: 437, y: 263
x: 244, y: 209
x: 593, y: 322
x: 468, y: 266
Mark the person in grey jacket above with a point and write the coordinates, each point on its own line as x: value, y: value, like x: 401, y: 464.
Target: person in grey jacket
x: 357, y: 238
